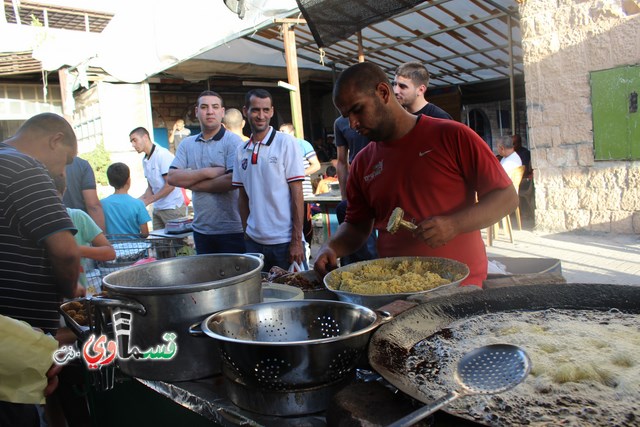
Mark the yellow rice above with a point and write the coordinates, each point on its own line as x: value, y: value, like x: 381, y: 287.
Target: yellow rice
x: 386, y: 278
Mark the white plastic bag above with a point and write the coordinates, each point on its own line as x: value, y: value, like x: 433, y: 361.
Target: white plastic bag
x: 295, y: 267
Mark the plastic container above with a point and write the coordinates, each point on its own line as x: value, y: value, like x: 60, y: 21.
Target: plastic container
x: 278, y: 292
x: 520, y: 266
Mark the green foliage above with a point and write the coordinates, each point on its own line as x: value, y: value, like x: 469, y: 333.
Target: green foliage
x: 99, y: 159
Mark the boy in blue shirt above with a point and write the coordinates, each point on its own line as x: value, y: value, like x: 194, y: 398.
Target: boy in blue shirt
x: 123, y: 214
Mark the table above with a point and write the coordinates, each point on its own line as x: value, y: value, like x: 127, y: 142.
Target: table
x: 327, y: 203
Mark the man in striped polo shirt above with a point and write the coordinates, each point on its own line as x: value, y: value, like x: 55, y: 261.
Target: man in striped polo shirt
x: 39, y: 258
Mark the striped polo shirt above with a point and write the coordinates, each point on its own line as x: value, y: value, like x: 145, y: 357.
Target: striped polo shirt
x: 30, y: 211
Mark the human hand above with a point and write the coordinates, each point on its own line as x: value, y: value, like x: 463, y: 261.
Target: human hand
x: 326, y: 260
x: 436, y: 231
x: 296, y: 252
x: 80, y: 291
x: 147, y: 200
x: 65, y: 336
x: 52, y: 379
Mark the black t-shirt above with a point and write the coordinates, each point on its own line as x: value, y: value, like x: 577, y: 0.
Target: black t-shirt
x: 433, y: 110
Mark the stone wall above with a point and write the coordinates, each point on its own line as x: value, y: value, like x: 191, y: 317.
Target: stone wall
x: 563, y: 41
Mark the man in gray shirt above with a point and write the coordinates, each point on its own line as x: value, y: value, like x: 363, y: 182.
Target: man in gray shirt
x: 204, y: 164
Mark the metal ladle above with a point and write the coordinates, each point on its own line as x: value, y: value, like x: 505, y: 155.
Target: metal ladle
x: 396, y: 221
x: 490, y: 369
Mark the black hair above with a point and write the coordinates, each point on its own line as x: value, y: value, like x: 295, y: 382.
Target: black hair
x: 258, y: 93
x: 118, y: 175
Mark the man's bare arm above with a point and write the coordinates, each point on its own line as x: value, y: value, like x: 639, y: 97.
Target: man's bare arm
x: 342, y: 169
x: 94, y: 207
x: 346, y: 240
x: 314, y: 166
x: 64, y: 256
x: 186, y: 178
x: 220, y: 184
x: 243, y: 206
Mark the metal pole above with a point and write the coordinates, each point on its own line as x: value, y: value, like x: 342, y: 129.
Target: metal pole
x: 512, y: 93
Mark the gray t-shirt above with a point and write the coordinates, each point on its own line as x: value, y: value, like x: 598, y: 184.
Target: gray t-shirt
x: 213, y: 213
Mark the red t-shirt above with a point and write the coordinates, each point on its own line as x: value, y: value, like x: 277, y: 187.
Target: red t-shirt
x: 436, y: 169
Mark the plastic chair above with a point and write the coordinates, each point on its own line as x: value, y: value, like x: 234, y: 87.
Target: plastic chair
x: 516, y: 177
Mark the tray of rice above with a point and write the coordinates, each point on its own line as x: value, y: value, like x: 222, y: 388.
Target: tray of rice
x: 378, y: 282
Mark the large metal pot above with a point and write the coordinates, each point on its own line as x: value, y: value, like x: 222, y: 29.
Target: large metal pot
x: 169, y: 296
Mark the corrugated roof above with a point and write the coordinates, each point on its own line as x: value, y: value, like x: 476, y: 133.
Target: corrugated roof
x: 460, y: 41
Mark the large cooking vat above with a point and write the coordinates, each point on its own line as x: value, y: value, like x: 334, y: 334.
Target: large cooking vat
x: 170, y: 295
x: 392, y: 343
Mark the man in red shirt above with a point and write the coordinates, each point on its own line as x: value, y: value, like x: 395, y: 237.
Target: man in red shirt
x: 432, y: 168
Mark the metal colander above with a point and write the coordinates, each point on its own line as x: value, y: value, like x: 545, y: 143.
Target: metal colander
x: 288, y: 345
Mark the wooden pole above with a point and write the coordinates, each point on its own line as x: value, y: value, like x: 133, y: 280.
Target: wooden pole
x: 360, y: 48
x: 291, y: 58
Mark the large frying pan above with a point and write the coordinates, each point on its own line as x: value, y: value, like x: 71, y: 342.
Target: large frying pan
x: 391, y: 344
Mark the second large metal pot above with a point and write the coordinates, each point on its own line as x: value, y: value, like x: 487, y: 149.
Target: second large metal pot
x: 170, y: 295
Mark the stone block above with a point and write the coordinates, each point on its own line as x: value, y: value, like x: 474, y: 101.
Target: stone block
x: 540, y: 195
x: 595, y: 179
x: 577, y: 219
x: 170, y: 99
x: 610, y: 198
x: 633, y: 175
x: 622, y: 222
x: 576, y: 126
x: 636, y: 222
x: 615, y: 177
x: 630, y: 199
x: 542, y: 136
x: 556, y: 137
x: 588, y: 198
x: 550, y: 220
x: 585, y: 154
x: 600, y: 221
x: 550, y: 179
x: 565, y: 156
x: 574, y: 177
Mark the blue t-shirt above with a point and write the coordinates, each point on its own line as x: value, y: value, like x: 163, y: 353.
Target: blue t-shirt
x: 124, y: 214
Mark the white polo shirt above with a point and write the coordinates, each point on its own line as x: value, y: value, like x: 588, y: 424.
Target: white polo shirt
x: 265, y: 170
x: 156, y: 167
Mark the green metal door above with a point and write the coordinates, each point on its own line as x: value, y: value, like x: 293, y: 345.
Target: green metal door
x: 616, y: 117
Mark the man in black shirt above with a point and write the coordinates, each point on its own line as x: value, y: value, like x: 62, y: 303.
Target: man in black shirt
x: 410, y: 85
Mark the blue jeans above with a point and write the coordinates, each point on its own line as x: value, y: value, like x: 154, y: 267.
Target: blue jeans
x: 274, y: 255
x: 232, y: 243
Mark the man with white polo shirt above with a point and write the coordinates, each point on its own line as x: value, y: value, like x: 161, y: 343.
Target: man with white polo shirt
x: 168, y: 202
x: 269, y: 172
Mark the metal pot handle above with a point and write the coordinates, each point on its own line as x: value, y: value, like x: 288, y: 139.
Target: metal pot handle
x: 195, y: 330
x: 127, y: 304
x: 389, y: 311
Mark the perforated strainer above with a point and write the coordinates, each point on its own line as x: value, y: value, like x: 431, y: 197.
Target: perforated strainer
x: 288, y: 345
x: 490, y: 369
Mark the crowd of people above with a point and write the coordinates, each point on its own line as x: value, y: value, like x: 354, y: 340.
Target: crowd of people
x: 392, y: 147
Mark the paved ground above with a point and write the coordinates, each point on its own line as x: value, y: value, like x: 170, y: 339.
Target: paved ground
x: 585, y: 257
